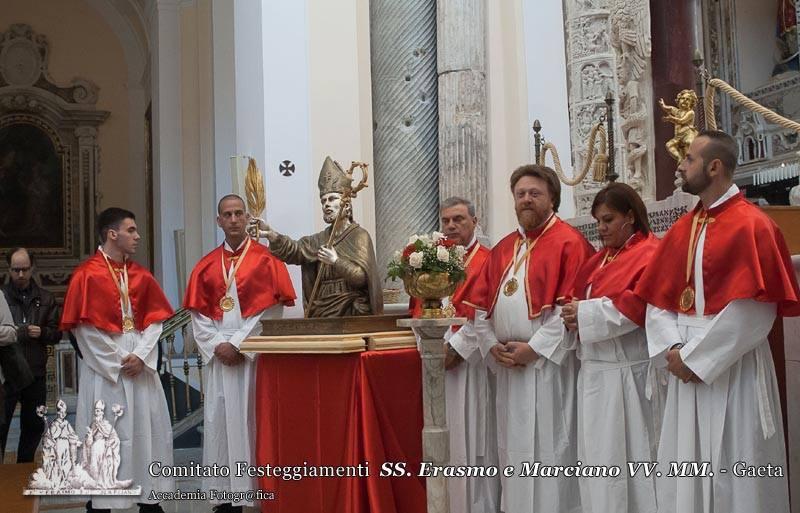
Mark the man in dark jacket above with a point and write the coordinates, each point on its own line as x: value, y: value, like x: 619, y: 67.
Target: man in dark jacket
x: 35, y: 314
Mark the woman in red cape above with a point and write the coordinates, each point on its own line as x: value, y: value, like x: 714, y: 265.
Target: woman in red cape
x: 618, y: 398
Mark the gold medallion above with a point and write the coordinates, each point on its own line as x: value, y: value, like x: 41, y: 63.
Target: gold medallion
x: 687, y: 299
x: 511, y: 286
x: 226, y: 303
x: 449, y: 311
x: 127, y: 324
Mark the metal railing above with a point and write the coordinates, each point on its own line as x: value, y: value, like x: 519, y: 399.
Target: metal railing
x: 180, y: 323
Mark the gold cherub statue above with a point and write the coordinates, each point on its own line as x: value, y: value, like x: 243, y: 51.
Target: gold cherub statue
x: 682, y: 117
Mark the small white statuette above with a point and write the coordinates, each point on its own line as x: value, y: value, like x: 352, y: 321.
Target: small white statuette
x: 96, y: 474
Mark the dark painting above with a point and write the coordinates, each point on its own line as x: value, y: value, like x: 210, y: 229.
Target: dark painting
x: 31, y: 189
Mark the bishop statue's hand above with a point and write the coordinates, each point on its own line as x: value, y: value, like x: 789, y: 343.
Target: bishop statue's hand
x: 327, y: 255
x: 257, y: 227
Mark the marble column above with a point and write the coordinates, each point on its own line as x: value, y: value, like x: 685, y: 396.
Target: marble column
x: 672, y: 27
x: 405, y: 118
x: 167, y: 139
x: 435, y: 433
x: 461, y: 63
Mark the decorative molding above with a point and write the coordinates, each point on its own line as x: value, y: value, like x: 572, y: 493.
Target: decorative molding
x: 391, y: 340
x: 24, y: 63
x: 68, y: 117
x: 305, y: 344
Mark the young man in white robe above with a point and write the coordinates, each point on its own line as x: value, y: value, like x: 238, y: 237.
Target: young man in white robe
x: 230, y: 290
x: 518, y: 295
x: 115, y: 309
x: 714, y: 287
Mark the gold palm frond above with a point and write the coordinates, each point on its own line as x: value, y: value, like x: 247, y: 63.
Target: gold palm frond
x: 254, y: 191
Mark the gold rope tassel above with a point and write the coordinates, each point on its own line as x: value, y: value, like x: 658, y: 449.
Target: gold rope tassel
x: 741, y: 99
x: 254, y: 190
x: 600, y: 160
x: 600, y: 167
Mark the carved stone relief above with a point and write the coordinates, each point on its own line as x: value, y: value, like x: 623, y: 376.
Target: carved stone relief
x: 608, y: 49
x: 64, y: 119
x: 761, y: 143
x: 596, y: 79
x: 719, y: 21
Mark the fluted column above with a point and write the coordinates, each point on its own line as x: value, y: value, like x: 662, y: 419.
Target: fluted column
x: 461, y: 62
x: 404, y: 113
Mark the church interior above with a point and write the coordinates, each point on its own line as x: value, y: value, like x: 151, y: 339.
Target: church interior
x: 159, y: 106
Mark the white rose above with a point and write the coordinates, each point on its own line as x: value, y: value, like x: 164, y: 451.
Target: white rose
x: 426, y: 240
x: 413, y: 239
x: 460, y: 251
x: 437, y: 236
x: 442, y: 254
x: 415, y: 260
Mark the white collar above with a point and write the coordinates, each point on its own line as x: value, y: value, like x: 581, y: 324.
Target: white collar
x: 731, y: 192
x: 228, y: 246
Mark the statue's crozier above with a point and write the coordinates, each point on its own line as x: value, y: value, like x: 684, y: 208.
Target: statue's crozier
x: 351, y: 285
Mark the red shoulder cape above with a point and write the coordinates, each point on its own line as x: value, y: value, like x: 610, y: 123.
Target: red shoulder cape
x: 462, y: 310
x: 617, y: 279
x: 93, y: 298
x: 552, y: 266
x: 261, y: 282
x: 744, y: 257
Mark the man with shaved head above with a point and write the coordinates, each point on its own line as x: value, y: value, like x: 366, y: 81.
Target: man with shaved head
x: 714, y: 287
x: 229, y: 291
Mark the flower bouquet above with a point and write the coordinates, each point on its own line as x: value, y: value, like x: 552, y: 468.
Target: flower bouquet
x: 431, y: 267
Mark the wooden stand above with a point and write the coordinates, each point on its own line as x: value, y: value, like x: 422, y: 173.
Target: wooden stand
x: 335, y: 335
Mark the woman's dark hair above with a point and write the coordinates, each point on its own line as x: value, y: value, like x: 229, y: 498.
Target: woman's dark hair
x: 622, y: 198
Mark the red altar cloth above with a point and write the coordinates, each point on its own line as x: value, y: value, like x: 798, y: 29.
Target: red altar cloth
x: 341, y: 410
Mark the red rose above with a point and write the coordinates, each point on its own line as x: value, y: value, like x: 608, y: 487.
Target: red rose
x: 408, y: 250
x: 448, y: 243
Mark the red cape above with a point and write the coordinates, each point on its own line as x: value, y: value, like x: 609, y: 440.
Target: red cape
x: 744, y: 257
x: 93, y: 298
x: 552, y: 266
x: 261, y: 282
x: 617, y: 279
x: 462, y: 310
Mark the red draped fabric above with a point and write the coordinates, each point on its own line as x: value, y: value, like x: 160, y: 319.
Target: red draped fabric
x: 341, y: 410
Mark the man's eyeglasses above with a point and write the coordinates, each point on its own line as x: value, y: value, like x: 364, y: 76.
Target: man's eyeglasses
x: 20, y: 270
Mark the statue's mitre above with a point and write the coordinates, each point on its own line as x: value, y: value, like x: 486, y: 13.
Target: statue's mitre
x: 332, y: 178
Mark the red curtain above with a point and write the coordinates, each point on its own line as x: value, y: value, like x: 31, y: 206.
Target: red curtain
x: 341, y: 410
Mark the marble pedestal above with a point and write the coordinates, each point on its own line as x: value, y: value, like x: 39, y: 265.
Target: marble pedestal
x: 435, y: 433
